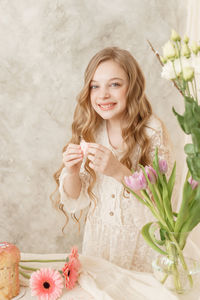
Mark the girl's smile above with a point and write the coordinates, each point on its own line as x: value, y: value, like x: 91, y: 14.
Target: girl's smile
x: 107, y: 106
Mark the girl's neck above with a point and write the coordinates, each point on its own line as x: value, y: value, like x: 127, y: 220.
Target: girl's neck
x: 114, y: 133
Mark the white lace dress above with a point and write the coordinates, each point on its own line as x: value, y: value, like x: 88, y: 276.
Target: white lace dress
x: 112, y: 229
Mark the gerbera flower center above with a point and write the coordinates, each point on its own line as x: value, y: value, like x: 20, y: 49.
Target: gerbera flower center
x: 46, y: 285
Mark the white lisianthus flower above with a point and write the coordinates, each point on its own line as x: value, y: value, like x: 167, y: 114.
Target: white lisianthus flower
x: 194, y: 47
x: 174, y: 36
x: 196, y: 64
x: 170, y: 72
x: 169, y: 51
x: 188, y: 73
x: 186, y: 39
x: 185, y: 50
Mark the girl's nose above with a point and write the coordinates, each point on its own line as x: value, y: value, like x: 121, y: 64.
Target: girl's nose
x: 104, y: 93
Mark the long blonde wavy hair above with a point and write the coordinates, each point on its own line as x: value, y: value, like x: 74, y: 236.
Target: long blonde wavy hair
x: 86, y: 120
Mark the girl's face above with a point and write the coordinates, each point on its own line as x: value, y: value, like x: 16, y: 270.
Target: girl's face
x: 108, y: 90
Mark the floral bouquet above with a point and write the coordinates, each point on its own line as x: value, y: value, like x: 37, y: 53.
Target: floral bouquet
x: 48, y: 283
x: 168, y: 234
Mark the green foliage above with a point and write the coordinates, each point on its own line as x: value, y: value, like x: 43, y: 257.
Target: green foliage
x: 190, y: 124
x: 150, y: 239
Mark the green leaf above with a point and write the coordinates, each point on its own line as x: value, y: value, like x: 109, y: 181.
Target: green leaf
x: 181, y: 121
x: 152, y: 230
x: 196, y: 139
x: 196, y: 112
x: 188, y: 121
x: 162, y: 234
x: 171, y: 181
x: 193, y: 163
x: 189, y: 149
x: 184, y: 209
x: 194, y: 214
x: 149, y: 240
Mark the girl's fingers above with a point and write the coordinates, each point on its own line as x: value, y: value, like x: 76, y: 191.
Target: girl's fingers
x: 73, y: 162
x: 70, y: 157
x: 72, y: 150
x: 73, y: 146
x: 94, y: 159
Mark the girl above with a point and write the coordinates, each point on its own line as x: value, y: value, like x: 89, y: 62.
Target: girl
x: 115, y: 118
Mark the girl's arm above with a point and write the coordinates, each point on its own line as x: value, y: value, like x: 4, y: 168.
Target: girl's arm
x: 73, y: 182
x: 72, y: 185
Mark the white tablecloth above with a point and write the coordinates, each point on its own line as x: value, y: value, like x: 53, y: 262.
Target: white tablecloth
x: 101, y: 280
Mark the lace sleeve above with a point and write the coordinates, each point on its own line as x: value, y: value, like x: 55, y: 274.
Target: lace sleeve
x: 72, y: 205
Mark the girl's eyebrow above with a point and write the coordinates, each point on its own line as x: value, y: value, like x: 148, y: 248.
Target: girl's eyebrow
x: 114, y: 78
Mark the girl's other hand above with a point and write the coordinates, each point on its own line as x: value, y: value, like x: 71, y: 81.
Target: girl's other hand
x: 72, y: 158
x: 102, y: 160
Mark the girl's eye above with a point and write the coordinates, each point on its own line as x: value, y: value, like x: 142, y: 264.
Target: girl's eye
x: 115, y: 84
x: 93, y: 87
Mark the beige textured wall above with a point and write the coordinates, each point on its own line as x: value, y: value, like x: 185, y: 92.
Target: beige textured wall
x: 45, y: 47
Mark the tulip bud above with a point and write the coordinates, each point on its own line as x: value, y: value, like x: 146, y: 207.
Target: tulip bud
x: 174, y: 36
x: 188, y: 73
x: 151, y: 173
x: 194, y: 184
x: 136, y: 181
x: 194, y: 47
x: 163, y: 166
x: 186, y: 39
x: 169, y: 51
x: 185, y: 50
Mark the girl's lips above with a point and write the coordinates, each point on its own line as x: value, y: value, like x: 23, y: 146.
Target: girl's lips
x: 107, y: 106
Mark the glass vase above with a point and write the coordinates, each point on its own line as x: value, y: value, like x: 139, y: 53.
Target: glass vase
x: 175, y: 270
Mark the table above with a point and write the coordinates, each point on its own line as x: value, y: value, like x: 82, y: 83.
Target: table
x: 102, y: 280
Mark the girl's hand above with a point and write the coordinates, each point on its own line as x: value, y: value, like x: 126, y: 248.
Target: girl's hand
x: 72, y: 158
x: 103, y: 161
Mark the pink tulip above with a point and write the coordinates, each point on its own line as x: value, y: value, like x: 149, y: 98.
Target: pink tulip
x: 194, y: 184
x: 136, y: 181
x: 163, y: 166
x: 151, y: 173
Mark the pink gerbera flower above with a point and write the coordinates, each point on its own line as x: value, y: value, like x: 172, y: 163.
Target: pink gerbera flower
x: 46, y: 284
x: 74, y: 255
x: 70, y: 271
x: 74, y: 252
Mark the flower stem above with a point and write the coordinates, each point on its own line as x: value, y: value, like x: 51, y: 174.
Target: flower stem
x: 28, y: 268
x: 180, y: 254
x: 24, y: 274
x: 43, y: 260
